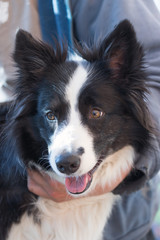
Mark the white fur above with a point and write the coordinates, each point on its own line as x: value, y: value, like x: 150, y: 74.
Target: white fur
x: 113, y: 166
x: 80, y: 219
x: 74, y: 135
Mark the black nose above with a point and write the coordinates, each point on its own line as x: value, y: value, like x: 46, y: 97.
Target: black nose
x: 68, y: 163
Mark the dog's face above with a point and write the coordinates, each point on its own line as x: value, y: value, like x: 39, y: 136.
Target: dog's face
x: 87, y: 115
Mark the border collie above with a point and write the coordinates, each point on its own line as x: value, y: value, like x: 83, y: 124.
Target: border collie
x: 81, y: 122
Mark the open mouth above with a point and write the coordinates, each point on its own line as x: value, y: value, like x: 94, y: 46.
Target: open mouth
x: 78, y: 185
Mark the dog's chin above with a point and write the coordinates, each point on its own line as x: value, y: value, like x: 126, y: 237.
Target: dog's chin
x: 81, y: 184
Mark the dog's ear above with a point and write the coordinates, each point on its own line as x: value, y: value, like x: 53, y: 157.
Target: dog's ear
x: 122, y: 52
x: 34, y: 56
x: 124, y: 55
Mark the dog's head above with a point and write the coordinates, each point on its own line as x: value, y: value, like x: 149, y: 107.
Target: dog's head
x: 83, y: 120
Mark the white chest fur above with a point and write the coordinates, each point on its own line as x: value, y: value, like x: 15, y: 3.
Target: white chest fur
x: 81, y: 219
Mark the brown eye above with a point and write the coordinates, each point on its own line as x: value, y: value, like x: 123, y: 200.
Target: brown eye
x: 95, y: 113
x: 50, y: 116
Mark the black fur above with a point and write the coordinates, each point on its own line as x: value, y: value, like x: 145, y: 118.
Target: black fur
x: 116, y: 84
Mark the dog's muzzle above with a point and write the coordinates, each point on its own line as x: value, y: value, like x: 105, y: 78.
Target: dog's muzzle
x: 68, y: 164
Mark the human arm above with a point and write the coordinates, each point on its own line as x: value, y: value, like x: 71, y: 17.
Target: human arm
x: 42, y: 185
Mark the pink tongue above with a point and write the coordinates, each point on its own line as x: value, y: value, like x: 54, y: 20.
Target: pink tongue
x: 77, y: 185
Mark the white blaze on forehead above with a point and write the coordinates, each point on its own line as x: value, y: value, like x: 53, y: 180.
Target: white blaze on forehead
x: 73, y: 135
x: 75, y: 84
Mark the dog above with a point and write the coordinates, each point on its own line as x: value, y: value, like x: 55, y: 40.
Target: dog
x: 81, y: 122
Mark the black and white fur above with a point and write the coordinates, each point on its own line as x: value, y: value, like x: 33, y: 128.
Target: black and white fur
x: 110, y: 81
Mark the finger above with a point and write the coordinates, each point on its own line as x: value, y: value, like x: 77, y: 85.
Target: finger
x: 42, y: 185
x: 38, y: 178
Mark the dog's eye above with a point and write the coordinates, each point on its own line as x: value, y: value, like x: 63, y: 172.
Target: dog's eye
x: 50, y: 116
x: 95, y: 113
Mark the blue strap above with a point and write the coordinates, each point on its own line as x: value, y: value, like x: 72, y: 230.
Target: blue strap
x: 55, y: 21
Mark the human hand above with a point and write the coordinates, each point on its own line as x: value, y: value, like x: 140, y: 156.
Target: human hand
x: 43, y: 185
